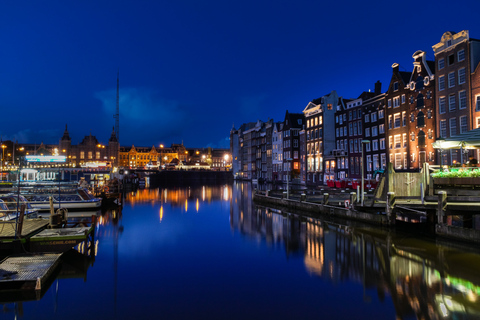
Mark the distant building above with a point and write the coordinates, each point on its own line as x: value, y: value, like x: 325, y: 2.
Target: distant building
x: 292, y: 125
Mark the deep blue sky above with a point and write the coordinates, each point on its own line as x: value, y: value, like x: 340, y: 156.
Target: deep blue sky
x: 191, y: 69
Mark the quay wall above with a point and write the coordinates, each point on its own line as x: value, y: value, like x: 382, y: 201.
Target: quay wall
x: 318, y: 208
x: 180, y: 177
x: 457, y: 233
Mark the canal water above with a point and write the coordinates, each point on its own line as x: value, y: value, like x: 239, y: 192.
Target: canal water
x: 208, y: 252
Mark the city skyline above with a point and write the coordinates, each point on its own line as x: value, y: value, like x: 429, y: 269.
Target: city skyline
x: 189, y: 71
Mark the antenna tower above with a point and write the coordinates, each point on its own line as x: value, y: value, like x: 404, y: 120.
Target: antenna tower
x: 117, y: 114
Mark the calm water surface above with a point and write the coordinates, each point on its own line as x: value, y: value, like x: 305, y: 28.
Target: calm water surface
x: 209, y: 253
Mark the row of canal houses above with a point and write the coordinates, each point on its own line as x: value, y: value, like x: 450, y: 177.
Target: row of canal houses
x: 326, y: 141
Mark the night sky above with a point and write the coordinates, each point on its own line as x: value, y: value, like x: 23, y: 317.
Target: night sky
x: 189, y: 70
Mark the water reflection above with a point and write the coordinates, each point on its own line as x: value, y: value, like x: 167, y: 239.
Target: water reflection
x: 424, y: 280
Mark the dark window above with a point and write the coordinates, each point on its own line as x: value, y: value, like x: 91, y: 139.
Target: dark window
x: 419, y: 83
x: 421, y: 139
x: 451, y: 59
x: 395, y: 86
x: 420, y: 120
x: 420, y: 102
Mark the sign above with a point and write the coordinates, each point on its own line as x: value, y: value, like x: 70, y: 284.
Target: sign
x: 46, y: 158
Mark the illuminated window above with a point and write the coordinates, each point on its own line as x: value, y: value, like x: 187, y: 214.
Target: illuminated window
x: 82, y: 154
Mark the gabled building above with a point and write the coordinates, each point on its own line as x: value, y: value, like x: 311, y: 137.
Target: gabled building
x: 374, y: 126
x: 341, y: 136
x: 292, y: 125
x: 421, y: 112
x: 277, y: 151
x: 320, y: 138
x: 396, y: 116
x: 456, y: 59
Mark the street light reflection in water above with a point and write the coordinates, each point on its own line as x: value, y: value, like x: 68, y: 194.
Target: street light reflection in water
x: 231, y: 259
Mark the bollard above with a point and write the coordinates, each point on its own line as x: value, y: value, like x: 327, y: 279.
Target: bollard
x: 358, y: 193
x: 325, y: 198
x: 390, y: 205
x: 442, y: 206
x: 303, y: 197
x: 353, y: 198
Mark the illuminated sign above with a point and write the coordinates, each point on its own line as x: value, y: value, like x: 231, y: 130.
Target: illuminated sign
x: 46, y: 158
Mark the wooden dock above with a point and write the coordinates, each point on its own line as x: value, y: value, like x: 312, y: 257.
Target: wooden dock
x: 27, y: 271
x: 30, y: 227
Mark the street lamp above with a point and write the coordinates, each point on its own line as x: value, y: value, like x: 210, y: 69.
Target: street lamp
x: 364, y: 142
x: 289, y: 161
x: 3, y: 157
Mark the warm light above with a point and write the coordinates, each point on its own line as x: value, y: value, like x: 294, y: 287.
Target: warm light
x: 186, y: 152
x: 226, y: 157
x: 161, y: 146
x: 3, y: 146
x: 198, y: 152
x: 64, y: 150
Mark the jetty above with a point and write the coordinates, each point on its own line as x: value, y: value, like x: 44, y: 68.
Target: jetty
x: 449, y: 206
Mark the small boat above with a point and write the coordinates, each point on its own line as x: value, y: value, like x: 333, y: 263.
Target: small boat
x: 11, y: 204
x: 69, y: 198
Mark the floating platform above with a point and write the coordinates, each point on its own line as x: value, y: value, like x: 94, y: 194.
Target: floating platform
x: 27, y: 272
x: 59, y: 240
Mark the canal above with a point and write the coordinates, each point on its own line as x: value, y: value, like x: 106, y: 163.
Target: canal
x: 208, y: 252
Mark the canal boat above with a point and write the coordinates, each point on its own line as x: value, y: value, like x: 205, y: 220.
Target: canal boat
x: 69, y: 198
x: 11, y: 204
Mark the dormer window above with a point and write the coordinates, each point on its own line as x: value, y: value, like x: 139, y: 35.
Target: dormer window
x: 449, y: 43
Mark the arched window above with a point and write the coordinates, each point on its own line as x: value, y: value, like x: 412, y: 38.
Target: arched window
x: 420, y: 102
x: 420, y: 120
x: 421, y: 139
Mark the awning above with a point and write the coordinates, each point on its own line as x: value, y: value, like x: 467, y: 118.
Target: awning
x: 466, y: 140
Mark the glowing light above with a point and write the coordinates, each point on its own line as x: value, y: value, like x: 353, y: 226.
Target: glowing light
x: 197, y: 205
x: 161, y: 213
x: 186, y: 205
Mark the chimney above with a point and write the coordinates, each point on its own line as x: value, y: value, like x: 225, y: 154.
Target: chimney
x: 378, y: 87
x: 395, y: 67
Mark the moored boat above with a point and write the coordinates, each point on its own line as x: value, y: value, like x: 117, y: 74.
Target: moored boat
x: 69, y: 198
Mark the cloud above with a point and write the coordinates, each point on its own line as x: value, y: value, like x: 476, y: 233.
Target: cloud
x: 144, y: 111
x: 51, y: 136
x: 222, y: 144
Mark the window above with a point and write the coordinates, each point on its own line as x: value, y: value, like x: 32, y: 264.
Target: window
x: 420, y: 102
x: 421, y: 139
x: 375, y: 162
x: 90, y: 155
x: 420, y: 120
x: 441, y: 64
x: 477, y: 103
x: 367, y: 146
x: 396, y: 102
x: 451, y: 103
x: 390, y: 142
x: 82, y: 154
x: 442, y: 105
x: 462, y: 100
x: 381, y: 114
x: 429, y: 114
x: 441, y: 83
x: 453, y: 126
x: 451, y: 79
x: 390, y: 122
x: 374, y: 116
x: 389, y: 103
x: 396, y: 123
x: 461, y: 76
x: 412, y: 117
x: 404, y: 118
x: 411, y: 99
x: 395, y: 86
x: 383, y: 161
x: 451, y: 59
x: 308, y: 123
x: 367, y: 132
x: 97, y: 155
x: 463, y: 124
x: 461, y: 55
x: 397, y: 141
x: 374, y: 131
x: 430, y: 134
x: 369, y: 163
x: 382, y: 144
x: 403, y: 98
x: 443, y: 128
x: 381, y: 128
x: 398, y: 161
x: 375, y: 145
x: 367, y: 118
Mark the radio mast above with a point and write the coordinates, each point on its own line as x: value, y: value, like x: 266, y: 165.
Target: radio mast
x: 117, y: 114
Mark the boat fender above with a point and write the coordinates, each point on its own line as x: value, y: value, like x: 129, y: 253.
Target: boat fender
x: 347, y: 203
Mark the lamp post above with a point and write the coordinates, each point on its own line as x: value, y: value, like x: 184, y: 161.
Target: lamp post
x: 364, y: 142
x: 3, y: 157
x: 289, y: 161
